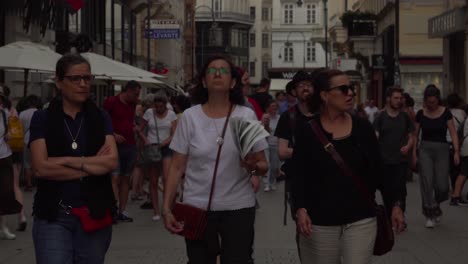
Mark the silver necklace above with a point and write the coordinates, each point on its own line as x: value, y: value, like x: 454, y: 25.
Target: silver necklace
x: 74, y: 145
x: 219, y: 139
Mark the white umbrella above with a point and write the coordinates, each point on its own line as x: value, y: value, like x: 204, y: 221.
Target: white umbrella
x: 146, y: 82
x: 104, y: 66
x: 28, y: 56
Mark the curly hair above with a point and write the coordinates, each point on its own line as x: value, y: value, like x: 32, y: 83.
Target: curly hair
x: 200, y: 94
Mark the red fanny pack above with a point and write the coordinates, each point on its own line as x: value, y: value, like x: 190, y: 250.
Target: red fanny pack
x: 90, y: 224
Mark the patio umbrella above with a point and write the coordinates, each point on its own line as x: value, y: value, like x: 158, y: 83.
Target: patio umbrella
x: 146, y: 82
x: 28, y: 56
x: 104, y: 66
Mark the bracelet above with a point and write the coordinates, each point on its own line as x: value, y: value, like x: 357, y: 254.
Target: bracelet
x: 297, y: 211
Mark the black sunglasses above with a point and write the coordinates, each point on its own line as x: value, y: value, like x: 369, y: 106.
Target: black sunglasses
x: 76, y: 79
x: 344, y: 89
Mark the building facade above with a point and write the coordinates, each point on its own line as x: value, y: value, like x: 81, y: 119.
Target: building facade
x: 222, y: 27
x: 261, y: 11
x: 298, y: 39
x: 401, y: 53
x: 450, y: 26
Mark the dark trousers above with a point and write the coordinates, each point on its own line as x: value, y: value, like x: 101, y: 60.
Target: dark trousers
x: 229, y: 234
x: 395, y: 177
x: 64, y: 241
x: 454, y: 170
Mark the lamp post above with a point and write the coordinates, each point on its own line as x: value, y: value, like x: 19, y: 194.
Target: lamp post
x: 325, y: 24
x: 213, y: 29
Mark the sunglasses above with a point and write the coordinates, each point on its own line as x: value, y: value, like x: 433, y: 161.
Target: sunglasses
x: 220, y: 71
x: 344, y: 89
x: 76, y: 79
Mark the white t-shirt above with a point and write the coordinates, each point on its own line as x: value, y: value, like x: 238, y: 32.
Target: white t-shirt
x: 196, y: 136
x: 25, y: 118
x: 371, y: 113
x: 164, y: 126
x: 459, y: 117
x: 5, y: 150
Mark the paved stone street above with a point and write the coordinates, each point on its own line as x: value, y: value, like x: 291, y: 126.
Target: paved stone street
x: 145, y: 241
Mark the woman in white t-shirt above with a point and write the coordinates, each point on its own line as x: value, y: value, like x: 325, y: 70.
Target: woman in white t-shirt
x: 161, y: 123
x: 195, y: 145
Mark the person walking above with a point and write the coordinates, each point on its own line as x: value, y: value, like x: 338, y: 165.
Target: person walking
x: 121, y: 109
x: 261, y: 95
x: 348, y: 232
x: 8, y: 203
x: 270, y: 122
x: 394, y: 130
x: 371, y: 110
x: 198, y: 138
x: 73, y: 153
x: 432, y: 122
x: 161, y: 124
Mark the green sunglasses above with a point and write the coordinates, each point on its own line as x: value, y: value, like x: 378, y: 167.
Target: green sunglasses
x: 220, y: 71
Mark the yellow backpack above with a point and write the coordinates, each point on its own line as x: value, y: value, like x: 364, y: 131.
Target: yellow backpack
x: 16, y: 134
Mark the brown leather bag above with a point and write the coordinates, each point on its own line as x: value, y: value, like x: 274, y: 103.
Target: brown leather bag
x: 385, y: 238
x: 195, y: 219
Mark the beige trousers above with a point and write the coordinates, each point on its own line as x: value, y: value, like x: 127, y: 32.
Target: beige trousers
x: 347, y: 244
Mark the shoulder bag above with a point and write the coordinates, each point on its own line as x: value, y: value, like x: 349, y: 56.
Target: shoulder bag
x: 195, y: 219
x: 385, y: 238
x: 152, y: 152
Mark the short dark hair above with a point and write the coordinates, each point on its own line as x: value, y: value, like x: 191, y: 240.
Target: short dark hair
x: 67, y: 61
x: 431, y: 90
x: 390, y: 91
x: 454, y: 101
x: 264, y: 82
x: 279, y: 93
x: 236, y: 96
x: 321, y: 83
x: 131, y: 85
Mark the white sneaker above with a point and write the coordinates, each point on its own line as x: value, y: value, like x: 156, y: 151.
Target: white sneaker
x: 267, y: 189
x: 156, y: 217
x: 429, y: 223
x: 438, y: 220
x: 6, y: 235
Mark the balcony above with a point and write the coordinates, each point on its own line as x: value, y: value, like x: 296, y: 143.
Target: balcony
x: 362, y: 29
x: 222, y: 16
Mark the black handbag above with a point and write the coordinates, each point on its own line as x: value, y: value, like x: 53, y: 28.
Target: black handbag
x: 152, y: 153
x: 385, y: 238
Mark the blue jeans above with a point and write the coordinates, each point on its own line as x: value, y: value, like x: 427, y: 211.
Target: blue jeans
x: 63, y: 241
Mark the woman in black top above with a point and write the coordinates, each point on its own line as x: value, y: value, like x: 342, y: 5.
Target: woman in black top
x: 434, y: 165
x: 73, y: 152
x: 334, y: 218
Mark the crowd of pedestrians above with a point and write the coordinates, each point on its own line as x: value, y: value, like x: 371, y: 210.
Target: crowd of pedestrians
x: 85, y: 162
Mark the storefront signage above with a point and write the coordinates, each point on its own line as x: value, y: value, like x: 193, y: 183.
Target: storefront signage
x: 447, y: 23
x: 285, y: 74
x: 163, y: 29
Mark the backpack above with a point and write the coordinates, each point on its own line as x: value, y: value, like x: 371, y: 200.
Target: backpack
x: 16, y: 134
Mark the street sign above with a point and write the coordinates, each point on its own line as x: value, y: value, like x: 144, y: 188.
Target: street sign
x: 163, y: 29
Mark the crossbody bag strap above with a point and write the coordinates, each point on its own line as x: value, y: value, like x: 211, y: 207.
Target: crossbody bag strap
x: 156, y: 126
x: 218, y: 157
x: 330, y: 148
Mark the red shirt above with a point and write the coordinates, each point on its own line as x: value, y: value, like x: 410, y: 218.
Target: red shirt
x: 257, y: 108
x: 122, y: 116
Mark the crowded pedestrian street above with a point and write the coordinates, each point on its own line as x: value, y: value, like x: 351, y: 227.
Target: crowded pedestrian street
x: 147, y: 242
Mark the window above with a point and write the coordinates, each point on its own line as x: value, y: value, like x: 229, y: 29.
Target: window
x: 265, y: 66
x: 265, y: 42
x: 311, y: 14
x: 265, y: 12
x: 288, y: 13
x: 244, y: 39
x: 235, y: 38
x: 288, y: 54
x: 311, y: 52
x: 252, y: 12
x: 252, y: 69
x: 252, y: 40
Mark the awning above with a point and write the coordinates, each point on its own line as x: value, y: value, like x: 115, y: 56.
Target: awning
x: 278, y: 84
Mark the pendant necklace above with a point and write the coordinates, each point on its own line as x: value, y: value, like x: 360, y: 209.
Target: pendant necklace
x: 219, y: 139
x: 74, y: 145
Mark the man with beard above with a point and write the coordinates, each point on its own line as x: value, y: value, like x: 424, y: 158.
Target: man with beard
x: 302, y: 88
x: 394, y: 130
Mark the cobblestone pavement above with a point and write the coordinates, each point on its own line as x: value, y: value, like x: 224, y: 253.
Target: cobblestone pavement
x: 145, y: 241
